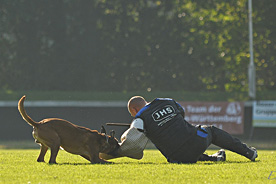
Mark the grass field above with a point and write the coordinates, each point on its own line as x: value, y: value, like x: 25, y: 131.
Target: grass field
x: 20, y: 166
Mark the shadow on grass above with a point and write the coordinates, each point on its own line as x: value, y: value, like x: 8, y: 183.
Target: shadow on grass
x: 76, y: 164
x: 153, y: 163
x: 228, y: 162
x: 118, y: 163
x: 242, y: 162
x: 72, y: 164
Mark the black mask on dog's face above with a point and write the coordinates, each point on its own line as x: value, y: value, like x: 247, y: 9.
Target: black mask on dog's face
x: 111, y: 145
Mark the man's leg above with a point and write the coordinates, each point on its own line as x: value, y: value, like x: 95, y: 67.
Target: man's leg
x: 224, y: 140
x: 193, y: 150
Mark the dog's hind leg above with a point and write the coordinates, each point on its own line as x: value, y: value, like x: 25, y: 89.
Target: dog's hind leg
x: 51, y: 139
x: 43, y: 150
x: 54, y: 152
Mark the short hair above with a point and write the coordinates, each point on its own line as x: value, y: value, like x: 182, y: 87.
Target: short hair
x: 136, y: 101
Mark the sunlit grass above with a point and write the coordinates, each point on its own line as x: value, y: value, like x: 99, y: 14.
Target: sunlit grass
x: 20, y: 166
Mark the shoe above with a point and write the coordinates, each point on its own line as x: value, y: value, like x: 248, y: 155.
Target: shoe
x: 221, y: 155
x: 255, y: 155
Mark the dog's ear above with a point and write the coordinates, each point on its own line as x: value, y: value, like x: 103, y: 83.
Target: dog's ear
x: 112, y: 133
x: 103, y: 131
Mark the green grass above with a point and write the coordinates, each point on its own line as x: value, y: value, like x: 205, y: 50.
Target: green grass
x: 20, y: 166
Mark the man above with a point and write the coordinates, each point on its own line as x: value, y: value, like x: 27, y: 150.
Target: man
x: 162, y: 121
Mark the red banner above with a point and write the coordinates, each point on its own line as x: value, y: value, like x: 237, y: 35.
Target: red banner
x: 228, y: 116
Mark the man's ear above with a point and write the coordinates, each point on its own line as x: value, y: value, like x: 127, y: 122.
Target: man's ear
x: 134, y: 111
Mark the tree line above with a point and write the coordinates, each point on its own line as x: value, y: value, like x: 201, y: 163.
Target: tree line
x: 122, y: 45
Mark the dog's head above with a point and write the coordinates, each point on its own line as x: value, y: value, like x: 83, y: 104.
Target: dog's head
x: 109, y: 144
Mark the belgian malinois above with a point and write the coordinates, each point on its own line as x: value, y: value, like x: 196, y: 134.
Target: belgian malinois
x: 54, y: 133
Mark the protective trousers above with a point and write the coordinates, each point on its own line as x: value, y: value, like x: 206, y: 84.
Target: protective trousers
x: 193, y: 149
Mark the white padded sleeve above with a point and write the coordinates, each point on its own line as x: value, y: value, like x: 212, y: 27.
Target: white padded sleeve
x: 133, y: 143
x: 138, y: 123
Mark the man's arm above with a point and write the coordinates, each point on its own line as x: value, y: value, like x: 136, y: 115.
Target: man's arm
x: 133, y: 142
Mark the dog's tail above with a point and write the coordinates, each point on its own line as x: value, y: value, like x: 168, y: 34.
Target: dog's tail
x: 24, y: 114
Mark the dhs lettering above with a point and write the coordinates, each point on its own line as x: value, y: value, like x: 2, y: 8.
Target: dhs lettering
x: 163, y: 113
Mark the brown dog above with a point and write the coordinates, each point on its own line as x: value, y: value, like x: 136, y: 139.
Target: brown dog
x: 55, y: 133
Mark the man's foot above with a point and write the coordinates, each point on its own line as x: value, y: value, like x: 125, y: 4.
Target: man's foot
x: 221, y: 155
x: 255, y: 155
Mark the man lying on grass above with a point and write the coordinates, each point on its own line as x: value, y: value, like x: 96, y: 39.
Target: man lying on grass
x: 162, y: 121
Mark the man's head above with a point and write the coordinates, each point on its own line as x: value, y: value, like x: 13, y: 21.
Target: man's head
x: 135, y: 104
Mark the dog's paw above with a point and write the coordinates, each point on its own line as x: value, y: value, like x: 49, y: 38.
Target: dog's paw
x: 51, y: 163
x: 102, y: 162
x: 106, y: 162
x: 40, y: 160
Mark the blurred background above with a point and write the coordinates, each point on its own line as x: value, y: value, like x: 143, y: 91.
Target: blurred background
x: 98, y: 50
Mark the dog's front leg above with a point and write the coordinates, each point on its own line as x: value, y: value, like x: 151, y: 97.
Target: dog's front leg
x: 86, y: 157
x: 43, y: 150
x: 95, y: 159
x: 101, y: 161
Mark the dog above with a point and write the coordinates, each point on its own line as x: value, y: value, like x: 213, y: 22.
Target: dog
x: 54, y: 133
